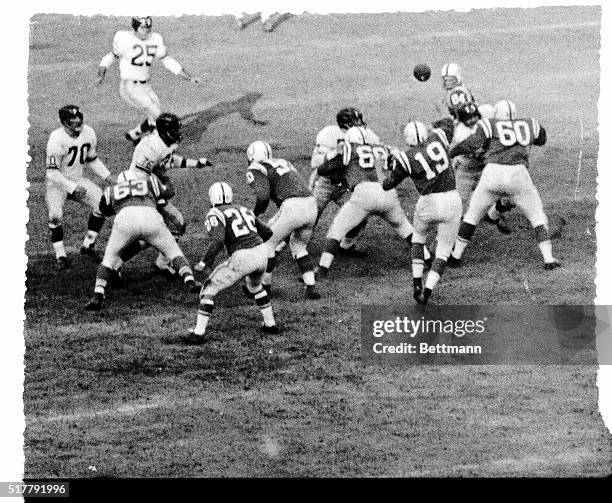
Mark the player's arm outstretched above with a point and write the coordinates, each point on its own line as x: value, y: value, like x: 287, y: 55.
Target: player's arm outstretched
x: 260, y: 185
x: 173, y: 65
x: 215, y: 226
x: 398, y: 167
x: 94, y: 163
x: 335, y: 161
x: 473, y: 143
x: 178, y: 161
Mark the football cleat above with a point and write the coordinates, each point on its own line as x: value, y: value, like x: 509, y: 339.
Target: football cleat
x: 418, y: 287
x: 193, y: 286
x: 95, y: 303
x: 193, y: 339
x: 267, y: 288
x: 272, y: 330
x: 312, y: 293
x: 500, y: 223
x: 62, y: 263
x: 549, y: 266
x: 352, y: 251
x: 420, y: 299
x: 166, y: 271
x: 321, y: 272
x: 91, y: 253
x: 116, y: 279
x: 453, y: 262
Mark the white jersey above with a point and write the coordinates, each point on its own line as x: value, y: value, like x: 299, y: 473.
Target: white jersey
x: 328, y: 139
x: 136, y: 55
x: 68, y: 154
x: 152, y: 152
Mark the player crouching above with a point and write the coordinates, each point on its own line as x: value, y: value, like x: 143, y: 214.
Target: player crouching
x: 277, y: 179
x: 134, y: 200
x: 439, y: 204
x: 237, y: 229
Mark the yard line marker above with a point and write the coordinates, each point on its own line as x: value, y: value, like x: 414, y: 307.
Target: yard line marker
x: 579, y: 159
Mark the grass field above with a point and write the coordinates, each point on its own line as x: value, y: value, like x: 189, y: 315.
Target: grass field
x: 116, y: 392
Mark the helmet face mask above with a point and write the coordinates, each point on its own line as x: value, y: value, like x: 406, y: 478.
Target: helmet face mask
x: 259, y: 151
x: 349, y: 117
x: 220, y: 193
x: 169, y: 128
x: 71, y: 118
x: 415, y: 133
x: 142, y: 26
x: 451, y: 76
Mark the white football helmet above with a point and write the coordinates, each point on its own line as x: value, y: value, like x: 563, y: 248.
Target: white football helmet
x: 259, y: 151
x: 452, y: 76
x: 220, y: 193
x: 486, y: 111
x: 505, y: 110
x: 415, y: 133
x: 356, y: 134
x: 131, y: 174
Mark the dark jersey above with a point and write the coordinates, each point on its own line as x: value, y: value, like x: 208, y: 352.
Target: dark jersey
x: 232, y: 226
x: 427, y: 164
x: 359, y: 163
x: 142, y: 192
x: 505, y: 141
x: 275, y: 179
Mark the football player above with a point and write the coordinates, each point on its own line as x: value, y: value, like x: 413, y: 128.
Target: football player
x: 71, y: 147
x: 361, y: 160
x: 439, y: 206
x: 457, y: 94
x: 277, y: 179
x: 136, y: 51
x: 133, y: 201
x: 235, y: 228
x: 155, y: 154
x: 506, y: 140
x: 334, y: 187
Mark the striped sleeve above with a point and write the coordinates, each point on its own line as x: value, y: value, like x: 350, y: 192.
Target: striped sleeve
x: 442, y: 135
x: 536, y: 128
x: 486, y: 127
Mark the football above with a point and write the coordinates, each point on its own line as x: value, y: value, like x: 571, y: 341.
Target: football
x: 422, y: 72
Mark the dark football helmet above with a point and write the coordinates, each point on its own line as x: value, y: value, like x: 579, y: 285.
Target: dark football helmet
x: 349, y: 117
x: 144, y: 21
x: 169, y: 128
x: 71, y: 118
x: 468, y: 114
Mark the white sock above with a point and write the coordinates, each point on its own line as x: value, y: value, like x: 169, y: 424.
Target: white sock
x: 346, y: 243
x: 202, y: 323
x: 309, y: 278
x: 432, y: 280
x: 90, y: 239
x: 60, y: 251
x: 546, y: 249
x: 417, y: 268
x: 459, y: 248
x: 426, y: 254
x: 326, y: 260
x: 266, y: 279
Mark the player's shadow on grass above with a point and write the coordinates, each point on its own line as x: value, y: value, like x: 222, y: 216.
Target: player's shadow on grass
x: 195, y: 124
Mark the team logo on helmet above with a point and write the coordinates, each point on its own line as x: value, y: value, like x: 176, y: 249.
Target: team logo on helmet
x: 349, y: 117
x: 415, y: 133
x: 452, y: 76
x: 259, y: 151
x: 505, y: 110
x: 71, y: 118
x: 169, y: 128
x: 220, y: 193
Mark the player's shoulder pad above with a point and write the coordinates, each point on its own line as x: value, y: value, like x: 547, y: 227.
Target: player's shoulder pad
x: 371, y: 137
x: 441, y: 134
x: 487, y: 128
x: 329, y: 136
x: 258, y: 166
x: 217, y: 213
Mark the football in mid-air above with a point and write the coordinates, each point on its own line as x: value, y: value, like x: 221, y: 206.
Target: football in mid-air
x: 422, y: 72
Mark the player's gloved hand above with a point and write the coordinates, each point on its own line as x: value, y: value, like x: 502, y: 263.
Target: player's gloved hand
x: 200, y: 266
x: 79, y: 193
x: 203, y: 163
